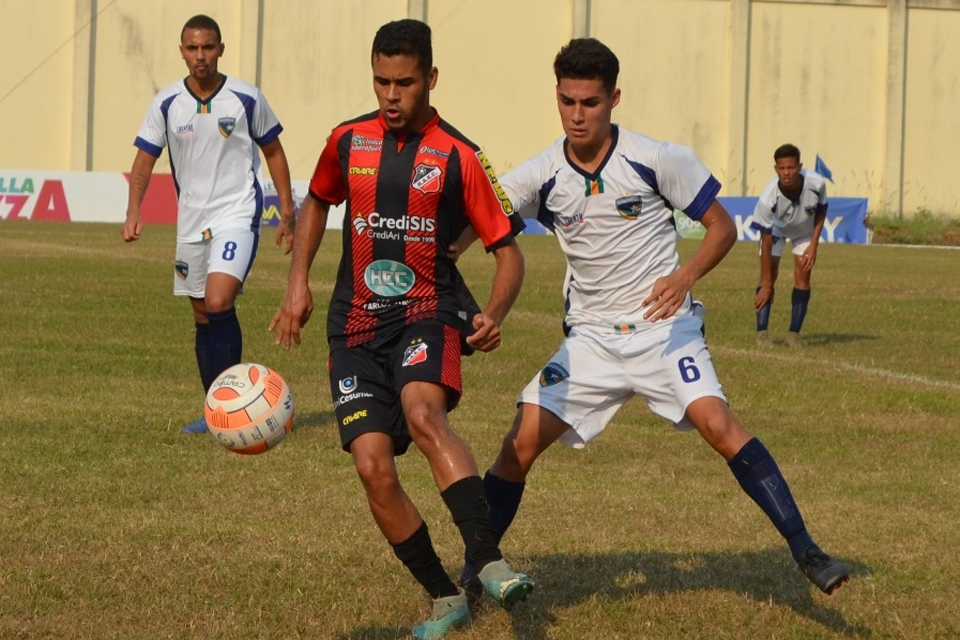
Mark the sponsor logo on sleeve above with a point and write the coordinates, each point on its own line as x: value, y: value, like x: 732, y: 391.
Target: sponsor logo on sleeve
x: 501, y: 194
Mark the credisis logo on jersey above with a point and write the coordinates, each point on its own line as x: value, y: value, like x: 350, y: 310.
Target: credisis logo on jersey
x: 415, y: 354
x: 226, y: 126
x: 552, y: 374
x: 359, y: 223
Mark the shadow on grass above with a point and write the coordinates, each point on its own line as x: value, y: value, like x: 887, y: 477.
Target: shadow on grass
x: 834, y: 338
x: 765, y: 576
x: 378, y: 632
x: 315, y: 420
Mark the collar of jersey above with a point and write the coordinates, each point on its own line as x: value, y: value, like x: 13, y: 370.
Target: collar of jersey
x: 432, y: 124
x: 223, y: 81
x: 593, y: 176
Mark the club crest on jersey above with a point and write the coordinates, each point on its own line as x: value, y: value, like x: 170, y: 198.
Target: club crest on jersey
x: 348, y: 385
x: 426, y: 178
x: 226, y: 126
x: 629, y: 206
x: 415, y: 354
x: 552, y: 374
x: 181, y: 269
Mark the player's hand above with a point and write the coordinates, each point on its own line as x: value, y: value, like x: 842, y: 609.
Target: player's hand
x: 764, y: 295
x: 453, y: 252
x: 288, y: 224
x: 486, y: 335
x: 293, y: 314
x: 808, y: 258
x: 132, y: 227
x: 667, y: 296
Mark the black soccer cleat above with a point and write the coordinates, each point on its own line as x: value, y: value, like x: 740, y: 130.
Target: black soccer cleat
x: 822, y: 570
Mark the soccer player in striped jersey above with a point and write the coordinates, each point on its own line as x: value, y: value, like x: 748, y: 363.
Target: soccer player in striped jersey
x: 632, y: 328
x: 411, y: 183
x: 214, y: 126
x: 792, y: 207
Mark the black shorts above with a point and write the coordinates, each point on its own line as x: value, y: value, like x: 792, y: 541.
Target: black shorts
x: 365, y: 382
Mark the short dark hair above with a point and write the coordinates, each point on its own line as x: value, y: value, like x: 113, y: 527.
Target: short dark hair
x: 587, y: 59
x: 787, y: 151
x: 201, y: 21
x: 405, y: 37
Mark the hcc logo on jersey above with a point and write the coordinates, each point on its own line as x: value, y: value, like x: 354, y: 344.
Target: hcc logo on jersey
x: 226, y: 126
x: 388, y: 278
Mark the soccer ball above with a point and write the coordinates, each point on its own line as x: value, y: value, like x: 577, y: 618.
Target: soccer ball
x: 249, y: 408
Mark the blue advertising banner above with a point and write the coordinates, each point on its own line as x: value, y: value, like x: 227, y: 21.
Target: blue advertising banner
x: 845, y: 223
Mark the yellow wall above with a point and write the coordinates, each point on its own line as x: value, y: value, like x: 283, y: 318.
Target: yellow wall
x: 733, y: 79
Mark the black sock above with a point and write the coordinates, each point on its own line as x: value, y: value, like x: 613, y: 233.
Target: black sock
x: 758, y: 475
x: 798, y: 311
x: 420, y: 558
x: 468, y: 506
x: 763, y: 316
x: 222, y: 348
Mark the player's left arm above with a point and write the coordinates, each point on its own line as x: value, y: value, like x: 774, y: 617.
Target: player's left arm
x: 809, y: 257
x: 507, y: 280
x: 276, y: 160
x: 669, y: 292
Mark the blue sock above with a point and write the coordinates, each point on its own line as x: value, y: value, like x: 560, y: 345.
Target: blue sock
x: 202, y: 348
x: 758, y: 475
x: 222, y: 348
x: 800, y: 299
x: 763, y: 316
x: 503, y: 500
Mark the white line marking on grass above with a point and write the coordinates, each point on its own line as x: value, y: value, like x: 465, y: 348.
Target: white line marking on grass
x: 823, y: 364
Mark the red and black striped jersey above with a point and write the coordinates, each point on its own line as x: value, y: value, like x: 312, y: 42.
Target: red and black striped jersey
x: 407, y: 198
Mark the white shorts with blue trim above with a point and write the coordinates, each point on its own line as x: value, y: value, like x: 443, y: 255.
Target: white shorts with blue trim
x: 596, y: 371
x: 231, y: 251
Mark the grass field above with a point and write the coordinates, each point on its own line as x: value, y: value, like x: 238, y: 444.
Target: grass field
x: 113, y: 525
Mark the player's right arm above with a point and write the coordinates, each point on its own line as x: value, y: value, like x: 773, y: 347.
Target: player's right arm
x: 297, y: 305
x: 140, y: 174
x: 326, y: 187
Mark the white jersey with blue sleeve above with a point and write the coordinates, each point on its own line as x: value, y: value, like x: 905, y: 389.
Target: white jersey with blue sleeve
x: 214, y: 156
x: 791, y: 219
x: 616, y: 225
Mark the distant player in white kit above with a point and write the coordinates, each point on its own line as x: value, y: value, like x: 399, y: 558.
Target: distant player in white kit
x: 214, y: 127
x: 793, y: 207
x: 608, y: 195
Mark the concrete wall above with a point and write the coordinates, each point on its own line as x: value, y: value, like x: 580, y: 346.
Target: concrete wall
x: 870, y: 85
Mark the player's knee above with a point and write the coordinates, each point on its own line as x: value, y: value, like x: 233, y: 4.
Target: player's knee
x: 378, y: 476
x: 427, y: 427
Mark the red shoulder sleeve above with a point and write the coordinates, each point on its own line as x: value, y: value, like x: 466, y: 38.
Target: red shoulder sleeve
x: 485, y: 203
x: 327, y: 183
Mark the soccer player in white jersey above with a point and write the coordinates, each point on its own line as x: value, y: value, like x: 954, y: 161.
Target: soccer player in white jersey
x: 215, y: 126
x: 793, y: 207
x: 608, y: 195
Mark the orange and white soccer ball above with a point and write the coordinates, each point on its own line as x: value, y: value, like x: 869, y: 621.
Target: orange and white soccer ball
x: 249, y: 408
